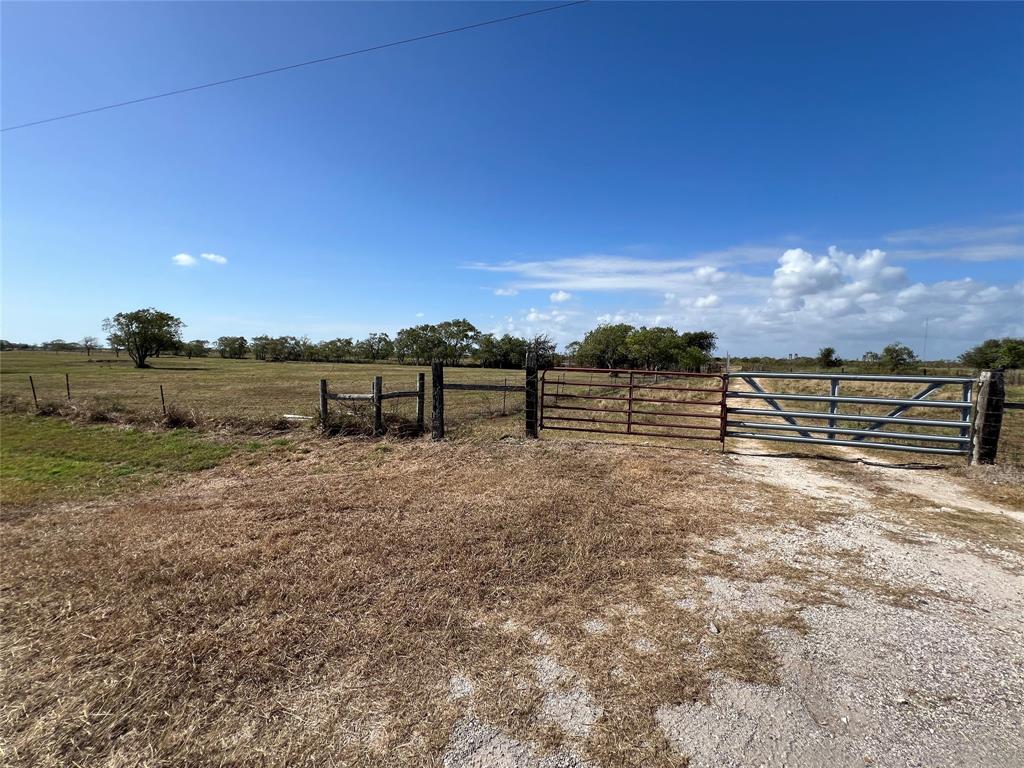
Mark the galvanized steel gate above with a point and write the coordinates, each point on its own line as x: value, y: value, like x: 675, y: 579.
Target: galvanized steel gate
x: 702, y: 406
x: 919, y: 433
x: 674, y: 404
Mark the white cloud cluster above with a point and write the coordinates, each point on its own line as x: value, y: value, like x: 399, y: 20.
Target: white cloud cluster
x: 850, y: 301
x: 560, y: 296
x: 188, y: 260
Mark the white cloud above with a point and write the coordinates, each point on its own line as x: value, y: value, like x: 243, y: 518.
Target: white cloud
x: 800, y: 274
x: 706, y: 302
x: 216, y: 258
x: 419, y: 314
x: 852, y: 301
x: 996, y: 242
x: 505, y: 291
x: 184, y: 260
x: 1008, y: 231
x: 620, y: 273
x: 560, y: 296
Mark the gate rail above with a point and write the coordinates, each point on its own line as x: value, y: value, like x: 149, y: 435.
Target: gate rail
x: 854, y: 435
x: 589, y: 416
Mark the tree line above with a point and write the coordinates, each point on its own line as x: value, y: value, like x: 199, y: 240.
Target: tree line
x: 147, y: 333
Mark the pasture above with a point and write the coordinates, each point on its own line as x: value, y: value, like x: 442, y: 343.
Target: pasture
x: 254, y: 393
x: 243, y: 392
x: 268, y: 596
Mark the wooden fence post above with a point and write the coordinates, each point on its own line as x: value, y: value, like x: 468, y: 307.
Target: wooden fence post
x: 67, y: 383
x: 163, y: 403
x: 378, y: 415
x: 531, y: 395
x: 34, y: 398
x: 437, y: 410
x: 421, y: 400
x: 323, y: 404
x: 988, y: 417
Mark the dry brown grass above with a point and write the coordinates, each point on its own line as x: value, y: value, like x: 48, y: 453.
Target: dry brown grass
x: 311, y: 608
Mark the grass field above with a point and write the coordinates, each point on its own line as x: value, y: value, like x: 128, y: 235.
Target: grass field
x: 238, y: 390
x: 181, y: 597
x: 257, y: 392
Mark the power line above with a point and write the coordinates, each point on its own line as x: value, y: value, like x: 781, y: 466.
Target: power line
x: 287, y: 67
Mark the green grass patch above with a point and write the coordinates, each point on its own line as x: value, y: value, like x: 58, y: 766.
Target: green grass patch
x: 43, y: 459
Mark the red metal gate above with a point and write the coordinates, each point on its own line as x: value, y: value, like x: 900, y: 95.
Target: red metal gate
x: 677, y: 404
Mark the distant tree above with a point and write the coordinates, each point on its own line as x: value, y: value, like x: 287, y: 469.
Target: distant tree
x: 654, y: 348
x: 691, y: 359
x: 543, y: 346
x: 995, y: 353
x: 897, y: 355
x: 376, y: 346
x: 89, y: 343
x: 335, y: 350
x: 232, y: 347
x: 197, y: 348
x: 58, y: 345
x: 419, y: 343
x: 827, y: 358
x: 604, y: 347
x: 871, y: 357
x: 705, y: 341
x: 659, y: 348
x: 144, y: 333
x: 457, y: 340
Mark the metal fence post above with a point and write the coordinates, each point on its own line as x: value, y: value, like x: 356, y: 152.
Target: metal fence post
x: 989, y: 416
x: 833, y: 405
x: 378, y: 414
x: 437, y: 405
x: 34, y: 398
x: 421, y: 397
x: 531, y: 395
x: 67, y: 383
x: 323, y: 403
x: 629, y: 406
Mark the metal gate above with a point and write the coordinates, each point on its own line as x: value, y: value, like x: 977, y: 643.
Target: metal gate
x: 936, y: 425
x: 676, y: 404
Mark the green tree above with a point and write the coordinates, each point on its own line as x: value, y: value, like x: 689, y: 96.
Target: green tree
x: 827, y: 358
x: 995, y: 353
x: 89, y: 343
x: 197, y: 348
x: 233, y: 347
x: 605, y: 347
x: 144, y: 333
x: 654, y: 348
x: 897, y: 355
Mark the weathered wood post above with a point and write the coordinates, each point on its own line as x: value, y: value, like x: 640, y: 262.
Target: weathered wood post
x: 323, y: 404
x: 67, y: 383
x: 421, y: 400
x: 988, y: 418
x: 378, y: 414
x: 437, y: 405
x: 34, y: 398
x: 163, y: 403
x: 531, y: 395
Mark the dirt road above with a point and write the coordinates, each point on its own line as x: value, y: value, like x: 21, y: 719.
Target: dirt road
x: 915, y: 657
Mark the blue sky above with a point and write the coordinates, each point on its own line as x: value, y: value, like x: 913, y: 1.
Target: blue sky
x: 787, y: 175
